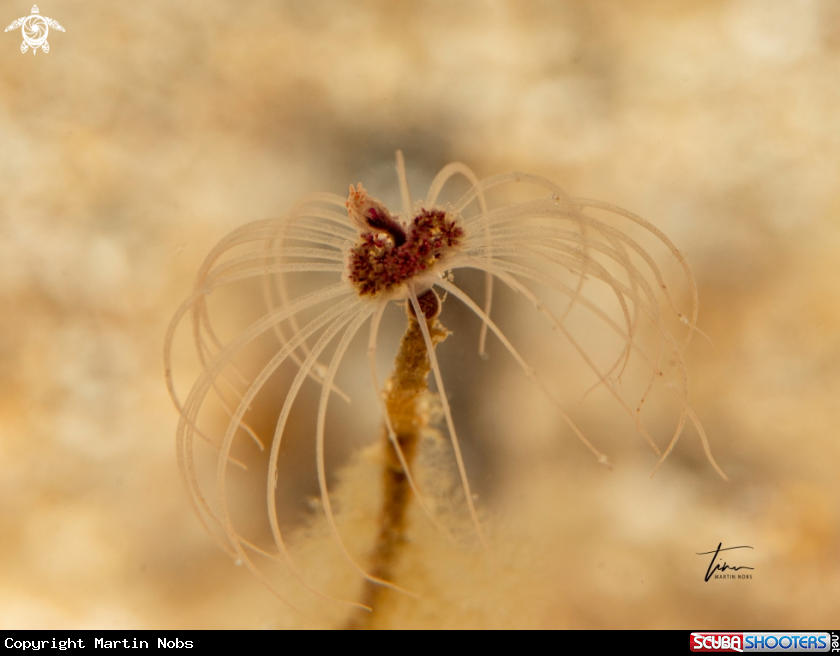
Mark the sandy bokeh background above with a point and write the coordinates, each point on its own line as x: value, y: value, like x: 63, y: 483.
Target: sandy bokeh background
x: 152, y: 129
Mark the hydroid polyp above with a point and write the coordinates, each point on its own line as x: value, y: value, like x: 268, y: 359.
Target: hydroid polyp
x: 550, y: 244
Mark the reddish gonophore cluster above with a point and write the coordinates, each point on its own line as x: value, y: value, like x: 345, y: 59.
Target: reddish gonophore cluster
x: 379, y: 262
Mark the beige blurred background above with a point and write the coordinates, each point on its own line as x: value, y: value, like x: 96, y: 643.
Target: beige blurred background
x: 152, y: 129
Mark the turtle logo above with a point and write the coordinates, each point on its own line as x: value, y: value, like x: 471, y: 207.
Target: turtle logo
x: 35, y: 29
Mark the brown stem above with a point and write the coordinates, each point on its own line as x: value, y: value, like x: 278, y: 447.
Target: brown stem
x: 403, y: 399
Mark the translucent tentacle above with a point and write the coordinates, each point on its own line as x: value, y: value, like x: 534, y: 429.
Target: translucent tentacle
x: 352, y: 329
x: 529, y: 371
x: 345, y: 314
x: 497, y: 180
x: 437, y: 185
x: 233, y: 544
x: 236, y: 540
x: 675, y: 348
x: 283, y: 232
x: 647, y: 225
x: 519, y: 287
x: 571, y: 263
x: 462, y: 472
x: 704, y: 440
x: 389, y: 427
x: 189, y: 411
x: 405, y: 192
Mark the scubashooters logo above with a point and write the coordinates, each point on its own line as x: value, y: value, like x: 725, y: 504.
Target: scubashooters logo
x: 794, y: 641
